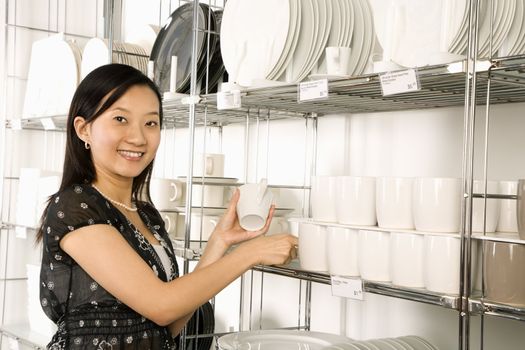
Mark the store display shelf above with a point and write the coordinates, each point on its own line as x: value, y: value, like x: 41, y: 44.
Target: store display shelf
x: 505, y: 237
x: 386, y: 289
x: 24, y: 335
x: 480, y: 306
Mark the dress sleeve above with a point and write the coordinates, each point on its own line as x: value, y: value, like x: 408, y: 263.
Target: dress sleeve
x: 70, y: 210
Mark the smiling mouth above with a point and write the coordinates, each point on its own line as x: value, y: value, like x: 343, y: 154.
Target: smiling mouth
x: 130, y: 154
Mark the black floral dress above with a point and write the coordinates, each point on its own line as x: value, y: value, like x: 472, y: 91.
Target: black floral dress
x: 87, y: 316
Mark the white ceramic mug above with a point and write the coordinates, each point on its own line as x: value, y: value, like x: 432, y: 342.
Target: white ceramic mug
x: 337, y: 60
x: 209, y: 165
x: 508, y: 221
x: 441, y: 264
x: 394, y: 202
x: 436, y: 204
x: 254, y: 204
x: 170, y: 222
x: 166, y: 194
x: 406, y: 259
x: 356, y: 200
x: 341, y: 248
x: 323, y: 198
x: 213, y: 196
x: 312, y: 247
x: 374, y: 255
x: 201, y: 226
x: 278, y: 225
x: 478, y: 207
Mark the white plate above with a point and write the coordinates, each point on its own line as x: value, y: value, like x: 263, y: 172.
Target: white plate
x: 251, y: 45
x: 513, y: 39
x: 218, y: 211
x: 328, y: 76
x: 358, y: 36
x: 279, y: 340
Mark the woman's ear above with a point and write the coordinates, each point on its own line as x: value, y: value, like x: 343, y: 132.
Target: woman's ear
x: 81, y: 128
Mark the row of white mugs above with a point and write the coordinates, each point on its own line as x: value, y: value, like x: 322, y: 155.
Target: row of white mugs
x: 414, y: 260
x: 424, y: 204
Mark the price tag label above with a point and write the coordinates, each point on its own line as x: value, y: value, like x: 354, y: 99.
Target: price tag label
x: 12, y: 344
x: 313, y: 90
x: 347, y: 287
x: 229, y: 99
x: 399, y: 82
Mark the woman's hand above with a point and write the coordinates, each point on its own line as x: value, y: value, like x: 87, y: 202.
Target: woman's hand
x: 230, y: 232
x: 277, y: 249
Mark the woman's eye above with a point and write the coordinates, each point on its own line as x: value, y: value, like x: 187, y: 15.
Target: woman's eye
x: 152, y: 123
x: 120, y: 119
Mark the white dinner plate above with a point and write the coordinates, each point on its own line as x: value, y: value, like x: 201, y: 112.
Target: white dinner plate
x: 279, y: 340
x: 218, y: 211
x: 210, y: 180
x: 251, y: 45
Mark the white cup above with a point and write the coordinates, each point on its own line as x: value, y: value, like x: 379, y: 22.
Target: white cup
x: 508, y: 221
x: 436, y: 204
x: 254, y: 204
x: 323, y: 198
x: 213, y: 196
x: 478, y: 207
x: 356, y: 200
x: 209, y: 165
x: 342, y: 246
x: 337, y: 60
x: 394, y: 202
x: 278, y: 225
x: 166, y: 194
x: 201, y: 226
x: 170, y: 223
x: 441, y: 264
x: 374, y: 255
x: 312, y: 247
x: 406, y: 259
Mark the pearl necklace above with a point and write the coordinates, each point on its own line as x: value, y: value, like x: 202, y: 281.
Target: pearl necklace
x: 133, y: 208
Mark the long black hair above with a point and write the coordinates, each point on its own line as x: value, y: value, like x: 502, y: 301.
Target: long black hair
x: 98, y: 91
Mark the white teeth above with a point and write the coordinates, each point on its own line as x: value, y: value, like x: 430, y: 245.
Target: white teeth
x: 131, y: 154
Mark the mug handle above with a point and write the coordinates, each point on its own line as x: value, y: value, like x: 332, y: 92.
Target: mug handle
x: 176, y: 192
x: 167, y: 221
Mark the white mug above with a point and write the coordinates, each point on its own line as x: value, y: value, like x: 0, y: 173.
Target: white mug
x: 374, y: 255
x: 341, y: 248
x: 213, y: 196
x: 478, y: 207
x: 166, y: 194
x: 209, y: 165
x: 312, y: 247
x: 508, y: 221
x: 436, y: 204
x: 278, y: 225
x: 337, y: 60
x: 394, y: 202
x: 323, y: 198
x: 406, y: 259
x: 202, y: 226
x: 254, y: 205
x: 356, y: 200
x: 170, y: 222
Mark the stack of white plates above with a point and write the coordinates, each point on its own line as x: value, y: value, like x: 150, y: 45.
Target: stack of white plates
x: 291, y: 46
x: 52, y: 78
x: 96, y: 54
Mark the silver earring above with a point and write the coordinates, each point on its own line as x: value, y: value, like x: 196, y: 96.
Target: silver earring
x: 86, y: 145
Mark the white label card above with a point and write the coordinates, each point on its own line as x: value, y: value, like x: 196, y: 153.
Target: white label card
x: 12, y: 343
x: 399, y: 82
x: 347, y: 287
x: 313, y: 90
x: 229, y: 99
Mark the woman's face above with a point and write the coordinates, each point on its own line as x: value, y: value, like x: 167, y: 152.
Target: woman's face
x: 125, y: 138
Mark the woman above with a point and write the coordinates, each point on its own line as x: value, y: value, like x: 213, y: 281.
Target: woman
x: 109, y: 278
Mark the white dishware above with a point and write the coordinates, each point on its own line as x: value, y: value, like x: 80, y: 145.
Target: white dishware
x: 278, y: 225
x: 323, y: 198
x: 356, y: 200
x: 209, y: 164
x: 342, y: 247
x: 385, y: 66
x: 166, y: 194
x: 441, y: 264
x: 279, y: 340
x: 394, y: 202
x: 202, y: 226
x: 478, y: 207
x: 337, y: 60
x: 170, y: 222
x: 207, y: 195
x: 436, y: 204
x: 312, y: 247
x: 254, y: 204
x: 374, y: 255
x: 508, y: 221
x: 406, y: 259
